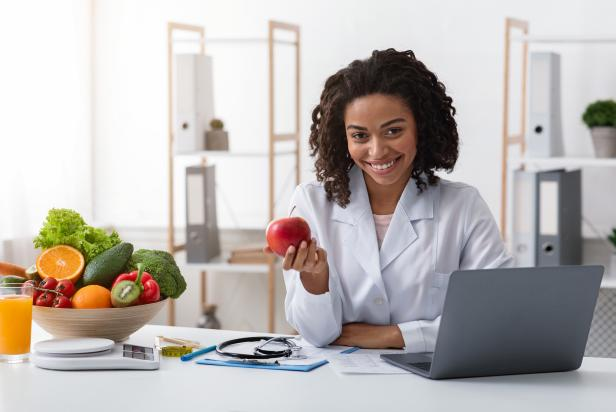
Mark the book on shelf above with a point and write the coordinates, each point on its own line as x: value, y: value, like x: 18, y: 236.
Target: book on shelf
x: 247, y: 251
x: 248, y: 255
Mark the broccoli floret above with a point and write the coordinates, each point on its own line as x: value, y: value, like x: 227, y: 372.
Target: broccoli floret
x: 163, y: 269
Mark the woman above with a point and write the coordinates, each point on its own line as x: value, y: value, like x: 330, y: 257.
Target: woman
x: 387, y: 231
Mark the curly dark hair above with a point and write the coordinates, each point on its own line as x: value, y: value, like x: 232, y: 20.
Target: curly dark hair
x: 389, y: 72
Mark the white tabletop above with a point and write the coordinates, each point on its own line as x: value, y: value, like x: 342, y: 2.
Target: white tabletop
x: 180, y: 386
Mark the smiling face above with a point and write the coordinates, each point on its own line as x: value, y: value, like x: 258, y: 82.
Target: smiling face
x: 382, y: 140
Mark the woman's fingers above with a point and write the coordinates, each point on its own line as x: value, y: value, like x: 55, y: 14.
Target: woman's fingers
x: 300, y: 257
x: 307, y: 258
x: 321, y: 263
x: 311, y: 256
x: 287, y: 262
x: 267, y: 250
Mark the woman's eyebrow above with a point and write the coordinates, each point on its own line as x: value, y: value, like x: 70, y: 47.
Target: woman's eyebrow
x: 399, y: 119
x: 352, y: 126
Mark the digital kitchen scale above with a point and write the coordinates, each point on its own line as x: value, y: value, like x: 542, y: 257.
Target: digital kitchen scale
x: 91, y: 354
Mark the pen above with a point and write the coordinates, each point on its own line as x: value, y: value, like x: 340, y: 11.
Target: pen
x: 196, y: 353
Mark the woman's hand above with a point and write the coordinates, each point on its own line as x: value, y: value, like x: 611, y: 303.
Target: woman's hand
x: 364, y: 335
x: 311, y: 262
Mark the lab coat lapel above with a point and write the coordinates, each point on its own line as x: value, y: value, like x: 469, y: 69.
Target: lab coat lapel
x: 400, y: 234
x: 361, y: 238
x: 366, y: 249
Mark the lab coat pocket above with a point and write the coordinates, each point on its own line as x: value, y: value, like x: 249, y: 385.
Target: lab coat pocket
x: 440, y: 281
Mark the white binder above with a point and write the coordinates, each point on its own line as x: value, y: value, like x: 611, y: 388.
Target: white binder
x: 544, y: 128
x: 524, y: 218
x: 194, y: 101
x: 547, y: 218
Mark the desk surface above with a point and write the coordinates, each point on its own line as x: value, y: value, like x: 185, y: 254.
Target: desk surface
x: 180, y: 386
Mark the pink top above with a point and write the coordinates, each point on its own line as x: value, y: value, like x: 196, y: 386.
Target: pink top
x: 381, y: 222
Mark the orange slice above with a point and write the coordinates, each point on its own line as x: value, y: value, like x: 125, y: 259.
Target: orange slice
x: 60, y: 262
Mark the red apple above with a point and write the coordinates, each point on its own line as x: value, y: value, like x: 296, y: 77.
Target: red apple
x: 289, y: 231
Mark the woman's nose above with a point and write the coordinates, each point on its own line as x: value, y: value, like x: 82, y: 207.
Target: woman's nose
x: 377, y: 148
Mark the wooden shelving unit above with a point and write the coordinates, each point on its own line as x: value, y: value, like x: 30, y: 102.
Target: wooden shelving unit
x: 517, y: 31
x: 270, y: 153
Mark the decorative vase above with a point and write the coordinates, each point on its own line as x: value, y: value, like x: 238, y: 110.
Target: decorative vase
x: 216, y: 140
x: 604, y: 141
x: 209, y: 320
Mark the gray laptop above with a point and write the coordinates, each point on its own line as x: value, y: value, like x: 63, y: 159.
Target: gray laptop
x: 510, y: 321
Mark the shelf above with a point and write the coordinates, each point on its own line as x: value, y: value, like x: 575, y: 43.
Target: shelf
x: 564, y: 39
x: 220, y: 264
x: 236, y: 40
x: 567, y: 162
x: 608, y: 283
x: 226, y: 153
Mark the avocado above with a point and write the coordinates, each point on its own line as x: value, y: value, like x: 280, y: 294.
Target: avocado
x: 104, y: 268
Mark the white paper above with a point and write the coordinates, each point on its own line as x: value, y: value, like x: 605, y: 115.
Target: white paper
x: 363, y: 363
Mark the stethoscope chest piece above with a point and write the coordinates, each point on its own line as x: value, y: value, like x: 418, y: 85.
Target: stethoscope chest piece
x: 295, y: 355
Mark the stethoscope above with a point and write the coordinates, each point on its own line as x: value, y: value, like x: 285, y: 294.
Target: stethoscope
x: 291, y: 350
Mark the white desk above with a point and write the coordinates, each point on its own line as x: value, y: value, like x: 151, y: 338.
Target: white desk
x: 179, y: 386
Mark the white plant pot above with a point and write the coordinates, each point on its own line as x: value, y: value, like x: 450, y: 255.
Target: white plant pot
x: 604, y: 141
x: 216, y: 140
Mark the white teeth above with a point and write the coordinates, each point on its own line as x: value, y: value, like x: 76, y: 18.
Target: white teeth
x: 383, y: 166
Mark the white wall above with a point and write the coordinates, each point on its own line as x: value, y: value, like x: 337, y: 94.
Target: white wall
x: 461, y: 41
x: 45, y: 112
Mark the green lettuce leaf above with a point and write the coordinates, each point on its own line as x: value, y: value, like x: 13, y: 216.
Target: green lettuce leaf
x: 67, y: 227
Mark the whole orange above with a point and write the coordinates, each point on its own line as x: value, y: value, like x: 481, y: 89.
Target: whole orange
x: 92, y: 297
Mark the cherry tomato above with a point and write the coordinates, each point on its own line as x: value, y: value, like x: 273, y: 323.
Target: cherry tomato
x: 35, y: 292
x: 48, y: 283
x: 45, y: 299
x: 62, y: 302
x: 66, y: 287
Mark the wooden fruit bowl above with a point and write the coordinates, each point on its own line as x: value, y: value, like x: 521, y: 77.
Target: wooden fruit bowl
x: 112, y: 323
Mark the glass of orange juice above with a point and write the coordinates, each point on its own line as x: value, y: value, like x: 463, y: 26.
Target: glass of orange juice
x: 15, y: 322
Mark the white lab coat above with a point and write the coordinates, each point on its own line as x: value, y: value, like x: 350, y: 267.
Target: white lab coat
x: 447, y: 227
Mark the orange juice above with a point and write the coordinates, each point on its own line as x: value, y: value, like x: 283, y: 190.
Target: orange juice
x: 15, y: 324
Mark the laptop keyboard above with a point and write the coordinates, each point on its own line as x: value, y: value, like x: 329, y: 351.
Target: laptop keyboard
x: 421, y: 365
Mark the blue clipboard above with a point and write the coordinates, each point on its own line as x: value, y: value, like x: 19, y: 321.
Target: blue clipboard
x: 271, y: 366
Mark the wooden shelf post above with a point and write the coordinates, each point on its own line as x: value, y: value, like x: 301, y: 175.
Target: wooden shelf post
x: 171, y: 246
x: 274, y: 138
x: 508, y: 139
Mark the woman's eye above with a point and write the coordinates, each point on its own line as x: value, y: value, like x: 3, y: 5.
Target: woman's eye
x: 393, y: 131
x: 359, y: 136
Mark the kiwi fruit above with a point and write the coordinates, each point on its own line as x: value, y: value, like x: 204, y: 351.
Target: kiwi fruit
x: 126, y: 293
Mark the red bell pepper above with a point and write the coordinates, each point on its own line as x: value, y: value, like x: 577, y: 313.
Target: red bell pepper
x: 151, y: 290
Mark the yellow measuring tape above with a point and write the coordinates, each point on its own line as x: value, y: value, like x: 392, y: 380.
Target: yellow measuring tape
x: 175, y: 351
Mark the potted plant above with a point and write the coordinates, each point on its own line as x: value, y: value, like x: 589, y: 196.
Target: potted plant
x: 600, y: 117
x: 216, y: 138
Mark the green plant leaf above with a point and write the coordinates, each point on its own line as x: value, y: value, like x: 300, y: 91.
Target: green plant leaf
x: 600, y: 113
